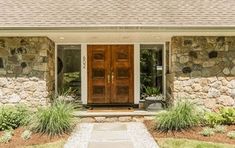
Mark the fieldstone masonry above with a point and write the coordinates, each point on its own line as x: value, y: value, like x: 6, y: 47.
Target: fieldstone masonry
x: 26, y: 70
x: 204, y: 70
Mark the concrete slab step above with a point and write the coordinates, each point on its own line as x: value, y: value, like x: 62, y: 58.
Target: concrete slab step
x: 135, y: 116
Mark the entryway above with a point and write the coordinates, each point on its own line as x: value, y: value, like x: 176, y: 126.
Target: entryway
x: 110, y: 74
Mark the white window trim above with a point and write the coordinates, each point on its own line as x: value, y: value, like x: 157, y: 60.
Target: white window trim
x: 163, y: 60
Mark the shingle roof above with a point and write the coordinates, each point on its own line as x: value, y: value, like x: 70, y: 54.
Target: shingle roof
x: 77, y: 13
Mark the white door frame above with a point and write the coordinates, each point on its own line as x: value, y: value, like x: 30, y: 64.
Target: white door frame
x: 136, y: 67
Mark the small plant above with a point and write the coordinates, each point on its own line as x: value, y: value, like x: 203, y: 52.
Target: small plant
x: 12, y: 117
x: 207, y: 132
x: 6, y: 137
x: 152, y: 91
x: 228, y: 113
x: 212, y: 119
x: 26, y: 134
x: 231, y: 135
x: 181, y: 116
x: 220, y: 129
x: 54, y: 120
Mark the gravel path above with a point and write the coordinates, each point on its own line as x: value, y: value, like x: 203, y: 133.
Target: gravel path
x: 111, y: 135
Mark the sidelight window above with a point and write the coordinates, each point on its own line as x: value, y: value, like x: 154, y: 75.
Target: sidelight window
x: 151, y: 69
x: 69, y: 70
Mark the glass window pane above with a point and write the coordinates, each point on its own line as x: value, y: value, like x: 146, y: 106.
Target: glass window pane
x: 69, y: 70
x: 151, y: 68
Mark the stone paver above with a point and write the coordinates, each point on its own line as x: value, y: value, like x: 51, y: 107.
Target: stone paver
x: 111, y: 135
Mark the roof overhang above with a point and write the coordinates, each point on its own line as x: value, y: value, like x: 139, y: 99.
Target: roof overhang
x: 124, y: 28
x: 119, y: 34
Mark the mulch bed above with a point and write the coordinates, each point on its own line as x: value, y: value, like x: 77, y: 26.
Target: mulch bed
x: 191, y: 134
x: 35, y: 139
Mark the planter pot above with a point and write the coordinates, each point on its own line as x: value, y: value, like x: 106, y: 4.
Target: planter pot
x: 141, y: 104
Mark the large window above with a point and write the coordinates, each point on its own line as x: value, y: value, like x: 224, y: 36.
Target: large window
x: 69, y: 70
x: 151, y: 68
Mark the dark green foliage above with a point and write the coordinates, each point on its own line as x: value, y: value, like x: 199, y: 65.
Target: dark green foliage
x: 54, y: 120
x: 179, y: 117
x: 12, y: 117
x: 150, y: 58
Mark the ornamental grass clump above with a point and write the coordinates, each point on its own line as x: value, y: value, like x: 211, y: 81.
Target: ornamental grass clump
x: 182, y: 115
x: 54, y: 120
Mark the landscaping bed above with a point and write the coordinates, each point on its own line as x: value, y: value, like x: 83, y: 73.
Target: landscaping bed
x: 22, y: 127
x: 192, y: 133
x: 185, y: 120
x: 35, y: 139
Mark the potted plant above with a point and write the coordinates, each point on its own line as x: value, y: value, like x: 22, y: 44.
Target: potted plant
x: 153, y: 95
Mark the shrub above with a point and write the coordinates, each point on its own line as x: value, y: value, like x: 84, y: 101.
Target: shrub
x: 6, y: 137
x: 231, y: 134
x: 181, y: 116
x: 26, y: 134
x: 207, y: 132
x: 228, y: 113
x: 220, y: 129
x: 212, y: 119
x: 12, y: 117
x: 54, y: 120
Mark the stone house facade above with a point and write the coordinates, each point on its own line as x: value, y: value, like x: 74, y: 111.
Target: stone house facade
x: 26, y: 70
x: 204, y: 69
x: 96, y: 48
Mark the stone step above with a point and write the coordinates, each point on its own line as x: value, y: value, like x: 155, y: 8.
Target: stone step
x: 135, y: 116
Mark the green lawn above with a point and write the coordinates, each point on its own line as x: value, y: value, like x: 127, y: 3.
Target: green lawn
x: 57, y: 144
x: 163, y: 143
x: 185, y: 143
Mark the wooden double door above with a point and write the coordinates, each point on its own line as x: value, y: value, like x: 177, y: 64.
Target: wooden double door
x: 110, y: 74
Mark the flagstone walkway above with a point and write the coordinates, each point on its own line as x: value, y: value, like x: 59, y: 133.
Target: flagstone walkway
x: 111, y: 135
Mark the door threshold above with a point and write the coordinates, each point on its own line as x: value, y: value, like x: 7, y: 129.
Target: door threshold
x: 111, y: 105
x: 110, y: 109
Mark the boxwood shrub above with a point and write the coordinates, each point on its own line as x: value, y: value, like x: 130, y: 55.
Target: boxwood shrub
x: 12, y: 117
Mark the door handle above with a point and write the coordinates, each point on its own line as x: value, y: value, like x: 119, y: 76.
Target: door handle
x: 112, y: 77
x: 108, y: 78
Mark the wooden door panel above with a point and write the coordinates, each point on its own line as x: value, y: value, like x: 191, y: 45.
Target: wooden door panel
x: 110, y: 74
x: 98, y: 70
x: 122, y: 68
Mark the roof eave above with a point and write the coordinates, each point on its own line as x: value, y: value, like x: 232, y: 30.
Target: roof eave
x: 164, y: 28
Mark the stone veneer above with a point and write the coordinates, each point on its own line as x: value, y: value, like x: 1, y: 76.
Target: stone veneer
x: 203, y: 70
x: 26, y: 70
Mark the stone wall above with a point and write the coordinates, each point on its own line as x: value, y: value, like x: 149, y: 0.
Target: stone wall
x: 204, y: 70
x: 26, y: 70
